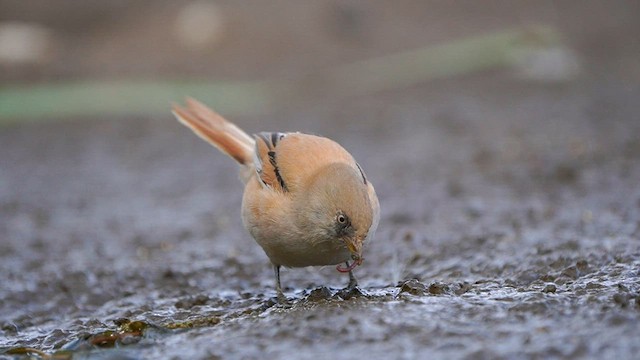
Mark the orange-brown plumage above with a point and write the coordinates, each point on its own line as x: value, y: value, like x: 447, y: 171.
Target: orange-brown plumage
x: 306, y: 200
x: 214, y: 129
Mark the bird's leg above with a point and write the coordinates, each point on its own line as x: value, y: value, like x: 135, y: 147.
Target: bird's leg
x: 281, y: 298
x: 352, y: 289
x: 353, y: 282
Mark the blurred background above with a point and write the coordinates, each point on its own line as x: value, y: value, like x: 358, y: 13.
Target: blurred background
x: 502, y: 138
x: 163, y: 49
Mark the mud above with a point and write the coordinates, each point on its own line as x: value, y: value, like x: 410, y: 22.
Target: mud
x: 510, y: 229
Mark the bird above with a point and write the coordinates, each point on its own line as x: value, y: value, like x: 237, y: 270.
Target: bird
x: 306, y: 201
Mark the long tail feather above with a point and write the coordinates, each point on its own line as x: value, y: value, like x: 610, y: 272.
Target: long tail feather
x: 216, y: 130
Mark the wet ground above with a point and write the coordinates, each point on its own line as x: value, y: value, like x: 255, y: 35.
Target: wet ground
x: 510, y: 229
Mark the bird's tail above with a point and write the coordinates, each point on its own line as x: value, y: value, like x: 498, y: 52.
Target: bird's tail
x: 216, y: 130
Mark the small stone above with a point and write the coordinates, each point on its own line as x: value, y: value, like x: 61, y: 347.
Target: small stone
x: 191, y: 302
x: 623, y: 288
x: 320, y: 293
x: 121, y: 321
x: 413, y: 287
x: 200, y: 300
x: 463, y: 288
x: 346, y: 294
x: 593, y: 285
x: 550, y: 288
x: 438, y: 288
x: 571, y: 272
x: 621, y: 299
x: 582, y: 266
x: 9, y: 328
x: 547, y: 277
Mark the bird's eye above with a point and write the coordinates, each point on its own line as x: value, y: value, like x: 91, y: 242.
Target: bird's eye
x: 343, y: 224
x: 341, y: 219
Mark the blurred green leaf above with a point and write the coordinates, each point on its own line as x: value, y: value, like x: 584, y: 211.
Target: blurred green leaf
x: 98, y: 98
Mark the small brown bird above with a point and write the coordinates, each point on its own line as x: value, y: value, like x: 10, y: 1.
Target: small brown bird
x: 306, y: 201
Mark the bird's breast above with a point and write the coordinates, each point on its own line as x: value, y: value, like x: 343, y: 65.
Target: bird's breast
x: 267, y: 215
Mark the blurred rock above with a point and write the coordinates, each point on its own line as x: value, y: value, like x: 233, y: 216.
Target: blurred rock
x: 413, y: 287
x: 199, y: 25
x: 320, y: 293
x: 542, y: 56
x: 24, y: 43
x: 437, y: 288
x: 547, y: 64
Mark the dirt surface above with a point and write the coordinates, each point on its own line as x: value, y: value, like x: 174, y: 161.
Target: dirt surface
x: 510, y: 210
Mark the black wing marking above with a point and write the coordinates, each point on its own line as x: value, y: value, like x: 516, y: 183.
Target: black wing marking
x: 364, y: 178
x: 270, y: 141
x: 272, y: 160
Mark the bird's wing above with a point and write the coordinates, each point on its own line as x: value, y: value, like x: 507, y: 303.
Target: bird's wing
x: 265, y: 160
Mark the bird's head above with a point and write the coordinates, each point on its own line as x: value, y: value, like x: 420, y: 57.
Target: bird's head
x: 338, y: 207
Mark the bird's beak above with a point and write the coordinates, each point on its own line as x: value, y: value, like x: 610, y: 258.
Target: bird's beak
x: 355, y: 247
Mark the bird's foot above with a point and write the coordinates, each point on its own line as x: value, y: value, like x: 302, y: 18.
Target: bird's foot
x: 282, y: 300
x: 353, y: 284
x: 352, y: 289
